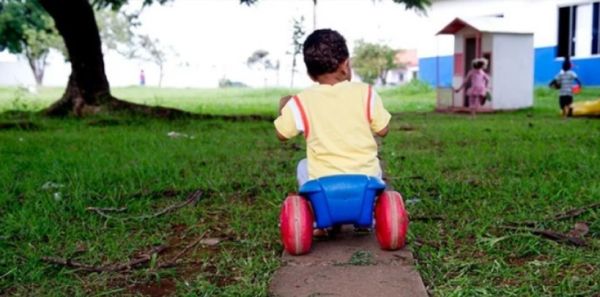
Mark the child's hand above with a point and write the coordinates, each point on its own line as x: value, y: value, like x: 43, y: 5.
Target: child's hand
x: 283, y: 101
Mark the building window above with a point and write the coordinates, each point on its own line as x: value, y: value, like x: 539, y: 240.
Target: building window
x: 567, y: 19
x: 596, y: 29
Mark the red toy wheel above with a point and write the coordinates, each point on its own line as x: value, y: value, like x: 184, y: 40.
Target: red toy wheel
x: 391, y: 221
x: 296, y: 225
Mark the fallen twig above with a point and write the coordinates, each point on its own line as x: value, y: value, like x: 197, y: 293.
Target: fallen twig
x: 173, y: 261
x: 107, y: 209
x: 192, y: 198
x: 553, y: 235
x: 116, y: 267
x: 569, y: 214
x: 572, y: 213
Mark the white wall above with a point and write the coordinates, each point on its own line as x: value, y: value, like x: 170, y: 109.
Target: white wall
x: 583, y: 39
x: 539, y: 16
x: 394, y: 76
x: 512, y: 74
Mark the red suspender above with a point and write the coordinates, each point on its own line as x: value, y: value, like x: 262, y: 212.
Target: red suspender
x: 303, y: 115
x: 369, y: 95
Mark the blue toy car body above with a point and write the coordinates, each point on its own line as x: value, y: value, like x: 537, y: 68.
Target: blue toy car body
x: 343, y: 199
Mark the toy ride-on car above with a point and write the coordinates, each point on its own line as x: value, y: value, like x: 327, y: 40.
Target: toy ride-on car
x: 343, y: 199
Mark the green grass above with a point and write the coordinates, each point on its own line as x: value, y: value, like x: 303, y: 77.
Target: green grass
x: 477, y: 173
x: 231, y: 101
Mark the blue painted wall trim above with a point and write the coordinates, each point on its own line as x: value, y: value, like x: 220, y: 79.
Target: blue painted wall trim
x: 545, y: 68
x: 428, y: 70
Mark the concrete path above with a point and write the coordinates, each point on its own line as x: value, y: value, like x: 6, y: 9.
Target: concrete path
x: 349, y: 265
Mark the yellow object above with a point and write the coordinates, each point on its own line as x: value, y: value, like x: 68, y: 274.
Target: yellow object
x: 586, y: 108
x: 338, y: 123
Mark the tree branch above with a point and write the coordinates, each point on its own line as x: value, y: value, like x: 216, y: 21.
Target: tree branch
x: 549, y: 234
x: 174, y: 260
x: 569, y: 214
x: 116, y: 267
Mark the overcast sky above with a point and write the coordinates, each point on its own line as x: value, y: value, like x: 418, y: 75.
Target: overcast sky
x: 213, y: 38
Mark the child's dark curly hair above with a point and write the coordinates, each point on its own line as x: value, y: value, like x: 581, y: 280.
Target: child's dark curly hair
x: 324, y: 50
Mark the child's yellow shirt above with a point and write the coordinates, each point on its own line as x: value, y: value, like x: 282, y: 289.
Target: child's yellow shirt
x: 338, y: 123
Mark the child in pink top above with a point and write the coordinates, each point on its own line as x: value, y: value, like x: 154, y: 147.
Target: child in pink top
x: 478, y: 81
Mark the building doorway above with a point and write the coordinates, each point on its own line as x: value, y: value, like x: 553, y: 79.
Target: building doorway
x: 470, y: 53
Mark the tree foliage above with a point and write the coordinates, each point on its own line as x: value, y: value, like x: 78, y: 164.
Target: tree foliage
x: 88, y: 84
x: 415, y: 4
x: 25, y: 28
x: 149, y: 49
x: 372, y: 61
x: 260, y: 57
x: 117, y: 4
x: 116, y: 30
x: 297, y: 37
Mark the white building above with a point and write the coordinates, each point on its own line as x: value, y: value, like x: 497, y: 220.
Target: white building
x: 509, y: 52
x: 408, y: 70
x: 561, y: 28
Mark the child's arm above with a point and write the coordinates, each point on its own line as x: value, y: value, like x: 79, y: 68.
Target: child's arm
x: 380, y: 117
x: 283, y: 101
x: 281, y: 137
x: 462, y: 86
x: 578, y: 82
x: 383, y: 132
x: 285, y: 125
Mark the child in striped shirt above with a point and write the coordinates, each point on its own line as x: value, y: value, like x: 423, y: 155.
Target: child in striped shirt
x: 565, y: 80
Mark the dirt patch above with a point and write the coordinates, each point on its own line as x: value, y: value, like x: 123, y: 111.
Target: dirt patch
x: 509, y: 282
x: 165, y: 287
x: 218, y: 278
x: 520, y: 261
x: 20, y: 125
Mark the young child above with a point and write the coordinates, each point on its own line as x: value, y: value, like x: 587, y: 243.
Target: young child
x: 479, y: 81
x: 337, y: 117
x: 565, y: 80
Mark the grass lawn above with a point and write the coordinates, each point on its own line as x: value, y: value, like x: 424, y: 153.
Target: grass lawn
x: 478, y: 174
x: 232, y: 101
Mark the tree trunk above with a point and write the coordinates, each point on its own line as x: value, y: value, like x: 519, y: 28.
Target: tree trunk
x: 87, y: 84
x: 314, y: 15
x: 37, y: 65
x: 160, y: 75
x: 88, y: 89
x: 383, y: 77
x: 293, y: 70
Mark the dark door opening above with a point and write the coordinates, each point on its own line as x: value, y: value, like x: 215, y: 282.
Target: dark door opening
x: 470, y: 53
x: 567, y: 20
